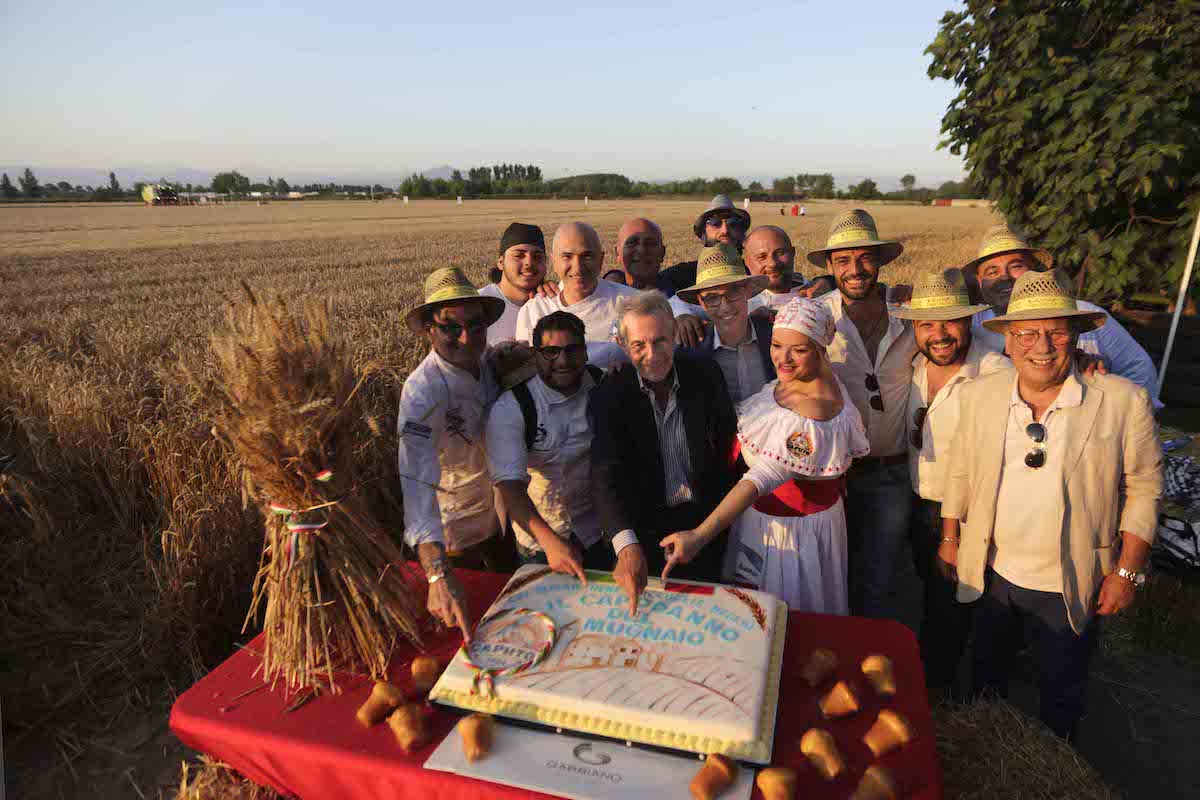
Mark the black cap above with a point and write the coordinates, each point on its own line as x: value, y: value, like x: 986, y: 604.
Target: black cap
x: 520, y: 233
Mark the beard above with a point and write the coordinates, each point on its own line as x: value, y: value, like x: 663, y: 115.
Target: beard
x: 937, y: 352
x: 863, y: 291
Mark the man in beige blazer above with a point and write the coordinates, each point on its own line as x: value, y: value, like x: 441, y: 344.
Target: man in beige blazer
x: 1034, y: 502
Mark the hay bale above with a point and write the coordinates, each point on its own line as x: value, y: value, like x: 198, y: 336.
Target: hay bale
x: 212, y: 780
x: 991, y: 749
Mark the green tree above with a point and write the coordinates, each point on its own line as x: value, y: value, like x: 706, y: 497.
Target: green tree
x: 786, y: 185
x: 908, y: 182
x: 29, y: 184
x: 724, y: 185
x: 867, y: 190
x: 63, y: 186
x: 755, y: 186
x: 1080, y: 120
x: 230, y: 183
x: 6, y: 187
x: 114, y: 185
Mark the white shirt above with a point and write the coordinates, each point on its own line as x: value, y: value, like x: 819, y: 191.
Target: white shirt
x: 504, y: 328
x: 768, y: 299
x: 741, y: 365
x: 598, y: 311
x: 443, y: 468
x: 1121, y: 353
x: 927, y: 466
x: 892, y: 368
x: 1027, y: 535
x: 558, y: 466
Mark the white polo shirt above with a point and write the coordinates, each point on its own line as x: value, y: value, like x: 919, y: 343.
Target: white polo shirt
x: 443, y: 469
x: 927, y: 465
x: 558, y: 466
x: 598, y: 311
x: 1026, y: 544
x: 892, y: 368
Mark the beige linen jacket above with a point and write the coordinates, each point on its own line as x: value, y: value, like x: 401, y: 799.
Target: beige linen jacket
x: 1113, y: 474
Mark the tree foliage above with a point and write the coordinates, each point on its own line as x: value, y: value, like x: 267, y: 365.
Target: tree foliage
x: 6, y: 187
x: 1081, y: 120
x: 230, y: 183
x: 866, y: 190
x: 29, y: 184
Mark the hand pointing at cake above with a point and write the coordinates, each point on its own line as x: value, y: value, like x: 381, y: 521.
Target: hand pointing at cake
x: 630, y: 574
x: 681, y: 548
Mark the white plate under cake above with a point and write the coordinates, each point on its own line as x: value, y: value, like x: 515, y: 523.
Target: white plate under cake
x: 696, y: 670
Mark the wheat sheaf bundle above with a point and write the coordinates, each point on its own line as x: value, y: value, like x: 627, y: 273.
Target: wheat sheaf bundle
x: 331, y: 578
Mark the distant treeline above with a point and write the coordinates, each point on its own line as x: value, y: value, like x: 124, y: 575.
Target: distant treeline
x: 503, y: 180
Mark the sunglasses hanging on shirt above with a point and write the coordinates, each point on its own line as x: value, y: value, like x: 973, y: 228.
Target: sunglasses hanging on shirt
x: 873, y: 386
x: 917, y: 437
x: 1036, y: 458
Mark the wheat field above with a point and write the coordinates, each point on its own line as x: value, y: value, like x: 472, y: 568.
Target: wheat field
x: 127, y: 552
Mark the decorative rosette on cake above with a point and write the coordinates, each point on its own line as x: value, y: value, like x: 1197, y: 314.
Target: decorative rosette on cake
x: 508, y: 643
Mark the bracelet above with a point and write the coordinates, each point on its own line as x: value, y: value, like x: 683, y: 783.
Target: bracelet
x: 435, y: 578
x: 949, y: 539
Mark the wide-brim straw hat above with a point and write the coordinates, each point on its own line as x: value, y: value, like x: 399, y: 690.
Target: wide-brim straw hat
x: 940, y: 295
x: 448, y: 286
x: 853, y: 230
x: 514, y: 363
x: 719, y: 203
x: 1043, y: 295
x: 1002, y: 239
x: 720, y: 265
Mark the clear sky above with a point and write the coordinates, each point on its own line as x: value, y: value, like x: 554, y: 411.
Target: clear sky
x: 302, y: 88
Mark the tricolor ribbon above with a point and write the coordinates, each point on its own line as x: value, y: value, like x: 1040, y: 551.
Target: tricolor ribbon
x: 297, y: 527
x: 484, y: 683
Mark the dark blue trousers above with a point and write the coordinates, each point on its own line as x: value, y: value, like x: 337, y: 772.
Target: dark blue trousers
x: 1006, y: 616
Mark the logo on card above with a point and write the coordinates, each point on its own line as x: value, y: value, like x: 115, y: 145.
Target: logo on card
x: 583, y: 752
x: 800, y: 445
x: 416, y: 429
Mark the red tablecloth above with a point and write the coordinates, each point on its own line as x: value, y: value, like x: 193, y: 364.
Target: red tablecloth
x: 319, y: 751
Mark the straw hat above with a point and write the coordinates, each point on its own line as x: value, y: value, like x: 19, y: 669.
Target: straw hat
x: 1003, y: 239
x: 939, y: 295
x: 514, y: 363
x: 854, y: 229
x: 1043, y: 295
x: 720, y: 265
x: 446, y: 286
x: 719, y: 203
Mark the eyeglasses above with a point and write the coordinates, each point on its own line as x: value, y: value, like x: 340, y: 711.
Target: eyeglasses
x: 552, y: 352
x: 1028, y: 338
x: 1036, y: 458
x: 873, y: 386
x: 717, y: 299
x: 917, y: 437
x: 732, y: 221
x: 454, y: 330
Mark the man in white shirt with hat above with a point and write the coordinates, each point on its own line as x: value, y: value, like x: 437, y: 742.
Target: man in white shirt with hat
x: 1005, y: 256
x: 579, y: 259
x: 949, y: 359
x: 872, y: 354
x: 1051, y: 499
x: 449, y: 509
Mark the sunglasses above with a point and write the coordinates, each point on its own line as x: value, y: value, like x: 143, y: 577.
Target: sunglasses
x: 454, y: 330
x: 876, y: 399
x: 1036, y: 458
x: 1028, y: 338
x: 552, y: 352
x: 731, y: 221
x: 917, y: 437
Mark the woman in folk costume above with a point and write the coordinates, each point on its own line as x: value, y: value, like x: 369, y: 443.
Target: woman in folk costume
x: 797, y: 437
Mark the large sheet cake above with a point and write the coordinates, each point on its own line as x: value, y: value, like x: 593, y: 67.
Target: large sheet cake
x: 697, y: 669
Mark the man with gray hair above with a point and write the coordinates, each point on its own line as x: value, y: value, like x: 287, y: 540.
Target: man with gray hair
x: 663, y: 431
x: 578, y: 258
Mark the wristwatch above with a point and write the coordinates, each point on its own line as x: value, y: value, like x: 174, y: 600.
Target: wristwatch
x: 1138, y: 579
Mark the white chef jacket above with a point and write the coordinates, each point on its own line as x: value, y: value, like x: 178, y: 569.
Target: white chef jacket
x: 443, y: 467
x: 558, y: 466
x: 504, y: 328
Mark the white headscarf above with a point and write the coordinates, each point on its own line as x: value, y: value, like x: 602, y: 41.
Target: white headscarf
x: 809, y: 317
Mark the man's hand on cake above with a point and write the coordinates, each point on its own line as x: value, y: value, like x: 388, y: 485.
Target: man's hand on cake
x: 681, y: 548
x: 630, y: 574
x: 448, y: 604
x: 563, y: 557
